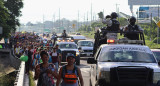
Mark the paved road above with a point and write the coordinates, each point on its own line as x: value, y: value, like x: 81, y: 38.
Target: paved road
x: 85, y: 70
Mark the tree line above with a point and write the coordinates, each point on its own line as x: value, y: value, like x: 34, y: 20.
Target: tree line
x: 10, y: 11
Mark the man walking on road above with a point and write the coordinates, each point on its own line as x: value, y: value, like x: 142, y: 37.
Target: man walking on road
x: 70, y: 73
x: 27, y: 64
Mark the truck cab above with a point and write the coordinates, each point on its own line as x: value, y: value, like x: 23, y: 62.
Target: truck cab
x: 69, y: 47
x: 122, y: 62
x: 124, y: 65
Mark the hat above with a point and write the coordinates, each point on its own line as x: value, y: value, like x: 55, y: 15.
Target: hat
x: 70, y: 55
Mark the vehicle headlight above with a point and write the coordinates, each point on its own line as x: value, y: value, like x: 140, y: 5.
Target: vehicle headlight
x: 156, y: 77
x: 77, y: 53
x: 105, y: 75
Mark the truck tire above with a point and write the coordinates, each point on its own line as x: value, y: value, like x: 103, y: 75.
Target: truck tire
x: 90, y: 84
x: 102, y: 83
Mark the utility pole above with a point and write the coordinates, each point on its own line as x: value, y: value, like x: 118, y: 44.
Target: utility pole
x: 116, y: 7
x: 151, y: 28
x: 118, y: 13
x: 158, y: 26
x: 117, y: 10
x: 91, y: 14
x: 78, y: 20
x: 43, y: 24
x: 87, y: 17
x: 95, y: 17
x: 137, y: 15
x: 59, y: 20
x: 54, y: 20
x: 84, y: 20
x: 103, y: 11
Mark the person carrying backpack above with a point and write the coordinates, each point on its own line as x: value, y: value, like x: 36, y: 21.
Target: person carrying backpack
x: 70, y: 74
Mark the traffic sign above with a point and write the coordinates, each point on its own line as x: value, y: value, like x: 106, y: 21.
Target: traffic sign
x: 47, y: 30
x: 73, y: 26
x: 158, y: 24
x: 143, y: 8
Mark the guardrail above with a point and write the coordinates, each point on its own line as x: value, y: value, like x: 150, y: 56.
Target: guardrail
x: 20, y: 75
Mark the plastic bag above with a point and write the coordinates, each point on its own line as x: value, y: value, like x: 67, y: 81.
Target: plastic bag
x: 24, y: 58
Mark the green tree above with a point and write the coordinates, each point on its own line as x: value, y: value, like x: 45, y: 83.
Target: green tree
x: 4, y: 16
x: 101, y: 16
x: 14, y: 7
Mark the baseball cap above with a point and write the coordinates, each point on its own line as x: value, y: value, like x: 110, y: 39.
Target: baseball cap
x: 70, y: 55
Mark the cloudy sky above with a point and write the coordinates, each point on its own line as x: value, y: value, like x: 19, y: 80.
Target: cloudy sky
x: 34, y: 10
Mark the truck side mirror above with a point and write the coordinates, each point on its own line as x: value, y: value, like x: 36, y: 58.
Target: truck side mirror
x: 159, y: 62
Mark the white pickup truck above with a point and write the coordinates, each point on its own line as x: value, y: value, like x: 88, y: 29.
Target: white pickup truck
x: 124, y: 65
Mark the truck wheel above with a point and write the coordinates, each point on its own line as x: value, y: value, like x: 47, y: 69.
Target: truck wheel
x: 90, y: 84
x: 102, y: 83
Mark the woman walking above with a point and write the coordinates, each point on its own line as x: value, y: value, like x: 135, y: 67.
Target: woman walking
x: 45, y: 72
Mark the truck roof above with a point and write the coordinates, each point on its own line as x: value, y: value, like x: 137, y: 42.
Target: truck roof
x: 129, y: 45
x: 79, y: 37
x: 66, y: 43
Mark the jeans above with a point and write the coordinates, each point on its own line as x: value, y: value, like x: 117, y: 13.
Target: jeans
x: 56, y: 66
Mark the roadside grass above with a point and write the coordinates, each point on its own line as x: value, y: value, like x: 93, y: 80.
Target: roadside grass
x: 31, y: 79
x: 152, y: 45
x: 88, y: 34
x: 149, y: 43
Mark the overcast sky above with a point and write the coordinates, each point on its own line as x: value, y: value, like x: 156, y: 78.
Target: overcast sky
x: 34, y: 10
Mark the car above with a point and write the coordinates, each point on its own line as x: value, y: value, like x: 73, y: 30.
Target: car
x: 78, y: 34
x: 69, y: 47
x: 78, y: 37
x: 124, y: 65
x: 85, y: 47
x: 156, y: 52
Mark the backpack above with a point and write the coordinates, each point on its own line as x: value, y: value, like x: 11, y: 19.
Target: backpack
x: 115, y: 25
x: 132, y: 28
x: 70, y: 78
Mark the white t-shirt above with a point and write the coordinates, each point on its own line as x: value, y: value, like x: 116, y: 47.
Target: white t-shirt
x: 54, y: 53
